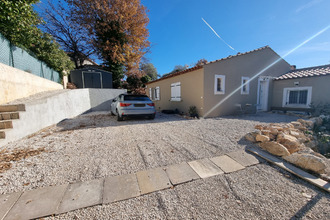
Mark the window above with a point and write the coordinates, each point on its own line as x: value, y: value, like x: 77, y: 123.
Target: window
x: 245, y: 88
x: 176, y: 91
x: 150, y: 94
x: 156, y: 94
x: 219, y: 84
x: 297, y: 97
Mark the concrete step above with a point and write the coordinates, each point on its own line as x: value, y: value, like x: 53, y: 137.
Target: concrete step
x: 2, y: 134
x: 12, y: 108
x: 6, y: 124
x: 9, y: 116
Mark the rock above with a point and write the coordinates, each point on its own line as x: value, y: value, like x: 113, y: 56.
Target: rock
x: 272, y: 137
x: 275, y: 148
x: 288, y: 141
x: 259, y: 127
x: 252, y: 136
x: 274, y: 131
x: 262, y: 138
x: 311, y: 144
x: 265, y: 132
x: 317, y: 121
x: 298, y: 125
x: 307, y: 123
x: 295, y: 134
x: 307, y: 161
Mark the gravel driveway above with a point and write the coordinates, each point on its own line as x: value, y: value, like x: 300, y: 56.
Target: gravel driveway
x: 95, y: 145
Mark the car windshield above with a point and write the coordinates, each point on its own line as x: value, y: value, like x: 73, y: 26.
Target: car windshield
x: 136, y: 98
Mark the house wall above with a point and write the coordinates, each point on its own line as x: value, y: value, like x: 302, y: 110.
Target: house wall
x: 191, y: 92
x: 320, y: 89
x: 16, y: 84
x: 248, y: 65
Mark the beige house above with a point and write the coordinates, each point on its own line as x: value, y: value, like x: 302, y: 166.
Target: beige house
x: 299, y: 88
x: 221, y: 87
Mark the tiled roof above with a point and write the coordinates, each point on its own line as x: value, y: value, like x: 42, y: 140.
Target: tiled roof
x: 306, y: 72
x: 177, y: 73
x: 200, y: 67
x: 239, y: 54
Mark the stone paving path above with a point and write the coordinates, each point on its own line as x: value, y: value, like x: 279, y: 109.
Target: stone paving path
x: 64, y: 198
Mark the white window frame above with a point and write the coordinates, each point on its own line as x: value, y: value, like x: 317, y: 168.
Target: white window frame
x: 176, y: 92
x: 156, y: 94
x: 286, y: 93
x: 150, y: 94
x: 247, y: 85
x: 223, y: 83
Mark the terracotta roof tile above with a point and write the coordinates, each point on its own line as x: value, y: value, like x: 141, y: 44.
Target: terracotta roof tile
x: 306, y: 72
x: 239, y: 54
x: 177, y: 73
x: 200, y: 67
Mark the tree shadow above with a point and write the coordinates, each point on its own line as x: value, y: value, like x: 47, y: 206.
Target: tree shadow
x: 105, y: 119
x: 308, y: 206
x: 263, y: 117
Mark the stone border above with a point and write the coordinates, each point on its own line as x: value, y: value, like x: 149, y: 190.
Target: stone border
x: 68, y: 197
x: 53, y: 200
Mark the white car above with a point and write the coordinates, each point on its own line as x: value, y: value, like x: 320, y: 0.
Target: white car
x: 126, y: 105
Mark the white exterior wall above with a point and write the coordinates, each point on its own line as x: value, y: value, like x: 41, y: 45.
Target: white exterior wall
x: 16, y: 84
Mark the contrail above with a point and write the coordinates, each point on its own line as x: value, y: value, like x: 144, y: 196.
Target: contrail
x: 218, y: 35
x: 266, y: 68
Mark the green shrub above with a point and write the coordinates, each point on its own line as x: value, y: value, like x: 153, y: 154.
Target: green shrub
x: 193, y: 111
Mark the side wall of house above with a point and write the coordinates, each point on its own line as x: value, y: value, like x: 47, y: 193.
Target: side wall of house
x: 247, y: 65
x: 320, y: 89
x: 191, y: 92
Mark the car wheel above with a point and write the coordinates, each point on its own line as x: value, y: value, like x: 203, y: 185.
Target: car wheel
x: 152, y: 117
x: 111, y: 113
x: 119, y: 118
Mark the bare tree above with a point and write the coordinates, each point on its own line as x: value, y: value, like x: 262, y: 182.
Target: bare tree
x: 59, y: 22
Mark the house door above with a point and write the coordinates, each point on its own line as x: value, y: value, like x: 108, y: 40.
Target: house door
x: 263, y: 91
x: 92, y: 79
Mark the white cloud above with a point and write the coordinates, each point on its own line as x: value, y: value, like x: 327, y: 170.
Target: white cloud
x: 308, y: 5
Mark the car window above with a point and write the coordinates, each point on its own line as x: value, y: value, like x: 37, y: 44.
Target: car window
x: 136, y: 98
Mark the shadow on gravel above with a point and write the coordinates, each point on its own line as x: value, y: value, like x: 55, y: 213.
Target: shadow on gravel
x: 308, y: 206
x: 99, y: 120
x: 263, y: 117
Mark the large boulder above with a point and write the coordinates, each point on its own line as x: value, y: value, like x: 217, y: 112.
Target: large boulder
x: 275, y: 148
x: 288, y: 141
x: 308, y: 162
x: 262, y: 138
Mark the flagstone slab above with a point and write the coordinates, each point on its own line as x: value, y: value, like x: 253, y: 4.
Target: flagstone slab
x: 292, y: 169
x: 7, y: 202
x: 80, y: 195
x: 181, y: 173
x: 153, y: 180
x: 244, y: 158
x: 37, y: 203
x: 119, y: 188
x: 227, y: 164
x: 205, y: 168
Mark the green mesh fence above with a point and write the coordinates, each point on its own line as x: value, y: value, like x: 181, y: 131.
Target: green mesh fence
x: 20, y: 59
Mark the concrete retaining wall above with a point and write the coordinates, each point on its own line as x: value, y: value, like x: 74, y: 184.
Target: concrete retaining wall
x: 51, y: 110
x: 16, y: 84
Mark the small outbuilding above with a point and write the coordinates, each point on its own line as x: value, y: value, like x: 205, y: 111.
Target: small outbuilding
x: 298, y: 89
x: 91, y: 77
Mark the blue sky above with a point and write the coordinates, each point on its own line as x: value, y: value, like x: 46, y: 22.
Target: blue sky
x: 179, y: 36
